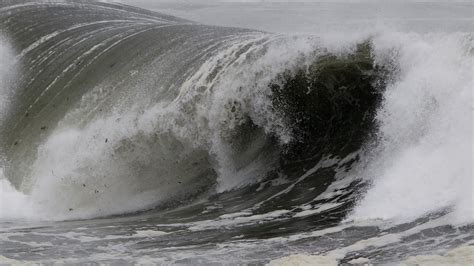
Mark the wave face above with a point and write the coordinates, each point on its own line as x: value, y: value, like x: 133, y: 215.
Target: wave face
x: 185, y: 137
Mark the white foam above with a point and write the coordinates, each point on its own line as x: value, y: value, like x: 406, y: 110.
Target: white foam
x: 7, y: 261
x: 238, y: 220
x: 149, y: 233
x: 303, y: 260
x: 424, y: 160
x: 381, y: 240
x: 318, y: 209
x: 463, y: 255
x: 13, y: 204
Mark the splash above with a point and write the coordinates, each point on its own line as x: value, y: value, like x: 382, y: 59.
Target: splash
x: 424, y: 156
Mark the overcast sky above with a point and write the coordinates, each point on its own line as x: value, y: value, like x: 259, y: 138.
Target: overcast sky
x: 284, y: 1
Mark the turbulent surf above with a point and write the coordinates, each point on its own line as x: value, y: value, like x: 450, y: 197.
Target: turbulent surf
x: 140, y: 137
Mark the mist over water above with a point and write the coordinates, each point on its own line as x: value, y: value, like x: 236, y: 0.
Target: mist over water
x: 148, y: 138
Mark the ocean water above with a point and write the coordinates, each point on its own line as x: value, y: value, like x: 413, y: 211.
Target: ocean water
x: 236, y: 133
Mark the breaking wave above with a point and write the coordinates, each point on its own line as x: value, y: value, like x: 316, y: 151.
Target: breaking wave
x: 111, y: 110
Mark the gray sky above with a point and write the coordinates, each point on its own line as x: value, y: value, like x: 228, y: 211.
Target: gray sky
x: 283, y: 1
x: 404, y: 15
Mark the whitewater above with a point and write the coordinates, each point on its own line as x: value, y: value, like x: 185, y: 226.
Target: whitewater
x: 136, y: 136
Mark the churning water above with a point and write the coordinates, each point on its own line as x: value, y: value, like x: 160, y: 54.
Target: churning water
x: 129, y: 136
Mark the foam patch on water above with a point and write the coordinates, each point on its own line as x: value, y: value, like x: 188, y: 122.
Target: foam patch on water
x: 7, y: 261
x: 303, y: 260
x: 149, y: 233
x: 459, y: 256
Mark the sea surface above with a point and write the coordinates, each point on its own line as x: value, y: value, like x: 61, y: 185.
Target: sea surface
x: 236, y: 133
